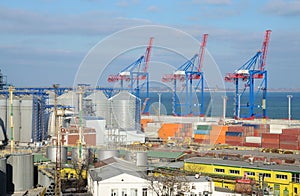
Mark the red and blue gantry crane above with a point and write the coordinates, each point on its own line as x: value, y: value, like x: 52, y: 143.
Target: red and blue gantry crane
x: 135, y: 76
x: 247, y: 102
x: 192, y: 77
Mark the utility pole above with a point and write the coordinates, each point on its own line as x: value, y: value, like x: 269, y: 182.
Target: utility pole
x: 11, y: 89
x: 80, y: 141
x: 289, y: 109
x: 57, y: 188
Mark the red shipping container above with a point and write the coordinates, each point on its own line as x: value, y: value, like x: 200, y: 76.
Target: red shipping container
x: 252, y: 144
x: 248, y: 131
x: 270, y: 145
x: 202, y: 141
x: 234, y: 143
x: 289, y: 146
x: 291, y: 131
x: 289, y: 138
x: 270, y: 135
x: 236, y: 128
x: 270, y: 140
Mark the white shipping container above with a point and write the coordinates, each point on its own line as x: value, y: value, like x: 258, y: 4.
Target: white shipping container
x: 253, y: 139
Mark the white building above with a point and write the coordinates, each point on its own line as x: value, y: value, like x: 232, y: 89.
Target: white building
x: 117, y: 177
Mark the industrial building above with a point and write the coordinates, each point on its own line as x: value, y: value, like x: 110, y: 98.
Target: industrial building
x: 270, y: 178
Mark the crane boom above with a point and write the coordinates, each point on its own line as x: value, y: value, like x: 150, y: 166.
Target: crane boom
x: 265, y: 49
x: 203, y: 45
x: 148, y: 52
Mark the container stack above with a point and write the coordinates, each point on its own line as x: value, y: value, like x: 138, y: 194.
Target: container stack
x: 235, y: 135
x: 171, y: 130
x: 270, y: 140
x: 218, y: 134
x: 290, y: 139
x: 202, y: 134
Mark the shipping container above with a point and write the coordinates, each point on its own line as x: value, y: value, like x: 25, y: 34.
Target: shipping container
x: 204, y: 127
x: 218, y: 134
x: 201, y: 136
x: 232, y: 133
x: 270, y: 145
x: 235, y: 128
x: 203, y: 132
x: 202, y: 141
x: 291, y: 131
x: 234, y: 143
x: 252, y: 139
x: 290, y: 138
x: 289, y: 146
x: 175, y: 130
x: 248, y: 144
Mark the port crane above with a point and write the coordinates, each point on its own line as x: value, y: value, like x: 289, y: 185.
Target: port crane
x: 192, y: 77
x: 133, y: 74
x: 253, y: 69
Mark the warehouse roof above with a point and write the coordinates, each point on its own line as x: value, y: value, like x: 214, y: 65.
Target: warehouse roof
x: 244, y: 164
x: 40, y: 158
x: 113, y: 167
x: 165, y: 154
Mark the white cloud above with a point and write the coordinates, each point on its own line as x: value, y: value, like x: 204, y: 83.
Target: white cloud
x: 283, y: 8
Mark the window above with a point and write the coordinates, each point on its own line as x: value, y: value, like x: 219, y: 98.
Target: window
x: 144, y: 192
x: 250, y: 173
x: 265, y: 175
x: 280, y: 176
x: 219, y: 170
x: 124, y: 192
x: 296, y: 178
x: 114, y: 192
x: 133, y: 192
x: 295, y: 190
x: 234, y: 171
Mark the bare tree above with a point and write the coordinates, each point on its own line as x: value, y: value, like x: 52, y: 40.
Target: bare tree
x: 168, y: 183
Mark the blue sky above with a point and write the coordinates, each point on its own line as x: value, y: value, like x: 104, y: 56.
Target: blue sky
x: 44, y: 41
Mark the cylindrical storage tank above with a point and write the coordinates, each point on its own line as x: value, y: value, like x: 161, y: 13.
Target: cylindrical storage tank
x: 2, y: 176
x: 22, y: 171
x: 86, y: 154
x: 101, y: 106
x: 51, y: 153
x: 28, y: 119
x: 125, y: 109
x: 105, y: 154
x: 68, y: 99
x: 141, y: 159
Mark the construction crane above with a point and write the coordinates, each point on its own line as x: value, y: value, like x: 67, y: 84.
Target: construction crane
x: 192, y: 77
x: 131, y: 76
x: 253, y: 69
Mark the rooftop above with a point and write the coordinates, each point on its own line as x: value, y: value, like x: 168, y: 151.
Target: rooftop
x: 114, y: 166
x: 243, y: 164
